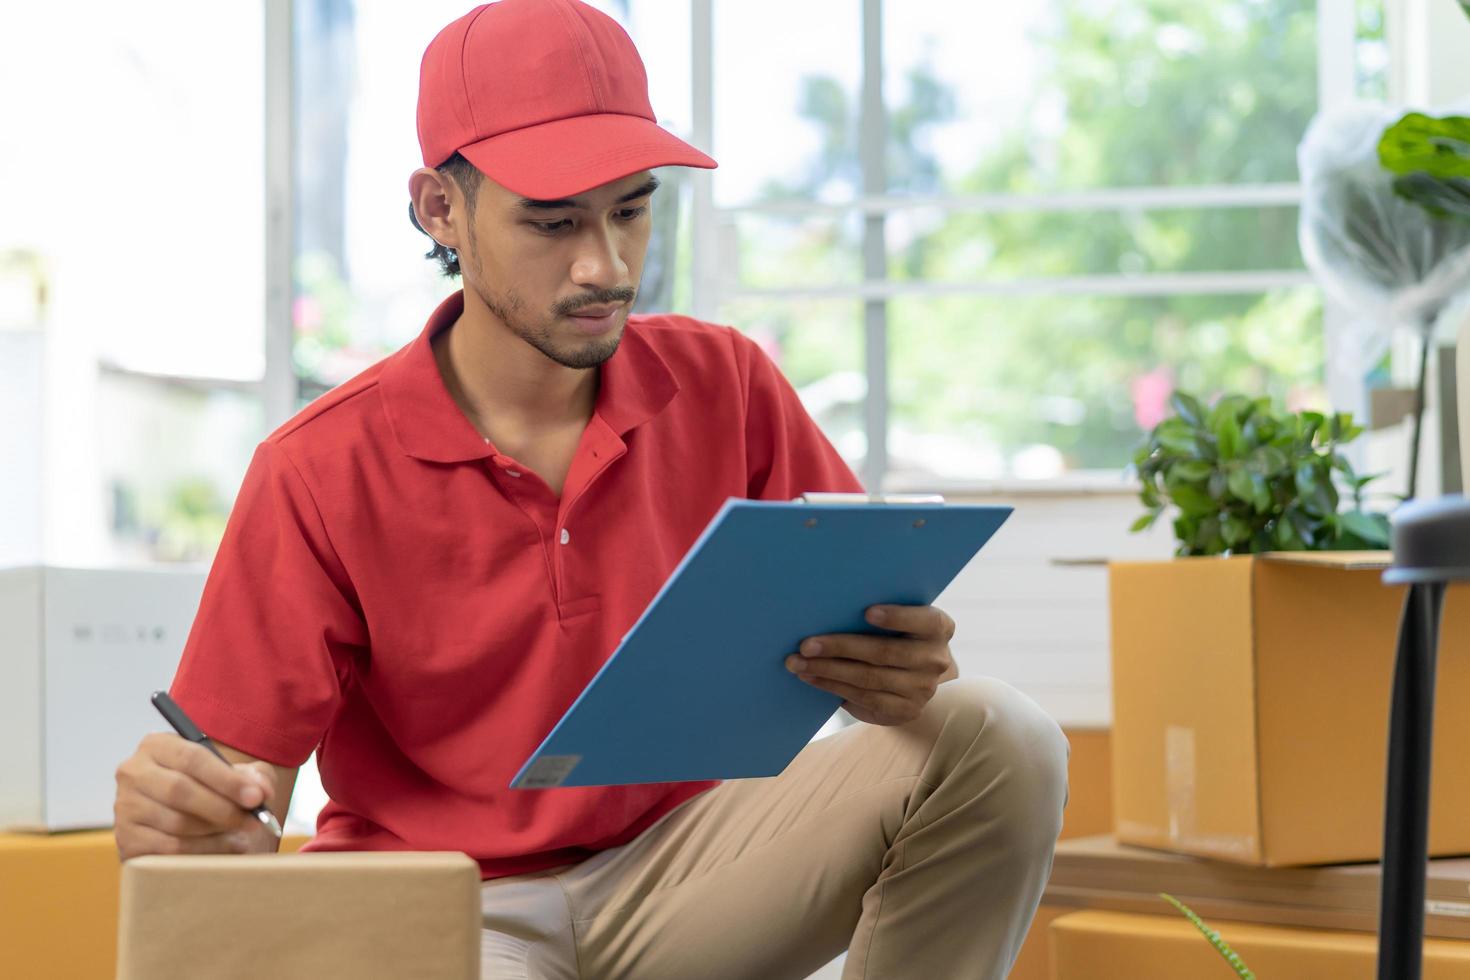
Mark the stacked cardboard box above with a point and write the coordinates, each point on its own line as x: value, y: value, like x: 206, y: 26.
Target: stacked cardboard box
x: 1250, y: 733
x: 1109, y: 945
x: 1250, y: 707
x: 1100, y: 873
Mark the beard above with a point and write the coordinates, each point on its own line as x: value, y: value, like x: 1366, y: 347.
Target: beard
x: 589, y: 353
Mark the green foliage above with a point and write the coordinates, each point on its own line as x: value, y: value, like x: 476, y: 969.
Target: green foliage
x: 186, y: 523
x: 1222, y: 947
x: 1432, y: 158
x: 1110, y: 106
x: 1246, y: 478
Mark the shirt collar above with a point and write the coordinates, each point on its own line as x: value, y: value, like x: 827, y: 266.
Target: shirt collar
x: 636, y: 385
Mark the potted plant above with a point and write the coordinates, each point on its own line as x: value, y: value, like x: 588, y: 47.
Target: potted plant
x: 1244, y: 666
x: 1248, y: 478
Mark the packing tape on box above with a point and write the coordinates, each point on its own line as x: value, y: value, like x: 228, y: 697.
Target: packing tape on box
x: 1179, y: 780
x: 1180, y: 783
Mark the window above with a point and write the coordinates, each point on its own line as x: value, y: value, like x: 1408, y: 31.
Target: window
x: 1074, y: 207
x: 132, y: 187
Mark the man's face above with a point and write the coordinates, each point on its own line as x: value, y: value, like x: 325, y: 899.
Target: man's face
x: 537, y: 265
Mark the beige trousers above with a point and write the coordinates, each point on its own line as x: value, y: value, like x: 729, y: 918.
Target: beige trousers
x: 921, y: 849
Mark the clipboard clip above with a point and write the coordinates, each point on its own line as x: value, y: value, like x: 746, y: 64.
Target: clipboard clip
x: 897, y: 499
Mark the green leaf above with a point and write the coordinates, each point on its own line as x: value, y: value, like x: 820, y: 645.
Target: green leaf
x: 1261, y: 497
x: 1145, y: 522
x: 1314, y: 486
x: 1230, y: 406
x: 1308, y: 530
x: 1188, y: 408
x: 1216, y: 486
x: 1216, y: 940
x: 1439, y: 147
x: 1240, y: 484
x: 1285, y: 537
x: 1176, y: 436
x: 1227, y: 433
x: 1207, y: 537
x: 1371, y: 529
x: 1191, y: 500
x: 1311, y: 424
x: 1235, y: 531
x: 1192, y: 471
x: 1268, y: 461
x: 1443, y: 197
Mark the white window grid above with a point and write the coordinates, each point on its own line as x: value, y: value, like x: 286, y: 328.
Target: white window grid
x: 1336, y: 28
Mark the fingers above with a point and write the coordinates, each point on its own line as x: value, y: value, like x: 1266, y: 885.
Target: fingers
x: 182, y: 793
x: 137, y: 839
x: 245, y: 785
x: 903, y: 682
x: 882, y: 651
x: 177, y: 787
x: 257, y: 770
x: 878, y: 707
x: 923, y: 621
x: 136, y: 808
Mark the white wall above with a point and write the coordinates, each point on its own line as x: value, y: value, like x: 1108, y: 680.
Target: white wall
x: 1040, y: 625
x: 20, y: 447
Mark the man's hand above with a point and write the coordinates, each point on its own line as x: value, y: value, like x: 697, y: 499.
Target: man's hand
x: 176, y: 797
x: 885, y: 680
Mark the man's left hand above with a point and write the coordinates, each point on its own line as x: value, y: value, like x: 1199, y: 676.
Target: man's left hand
x: 884, y: 679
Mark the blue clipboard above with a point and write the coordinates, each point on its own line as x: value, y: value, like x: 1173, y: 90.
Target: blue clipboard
x: 698, y: 688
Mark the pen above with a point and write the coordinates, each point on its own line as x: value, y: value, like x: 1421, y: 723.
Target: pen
x: 190, y: 731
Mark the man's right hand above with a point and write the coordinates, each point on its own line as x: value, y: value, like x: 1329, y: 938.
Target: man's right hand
x: 176, y: 797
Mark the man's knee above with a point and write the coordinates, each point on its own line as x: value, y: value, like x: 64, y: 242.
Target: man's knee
x: 1010, y: 748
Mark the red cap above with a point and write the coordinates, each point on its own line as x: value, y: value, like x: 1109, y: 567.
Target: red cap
x: 545, y: 97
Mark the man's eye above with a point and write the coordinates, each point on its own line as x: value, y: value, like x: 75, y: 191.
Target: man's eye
x: 551, y: 227
x: 632, y: 214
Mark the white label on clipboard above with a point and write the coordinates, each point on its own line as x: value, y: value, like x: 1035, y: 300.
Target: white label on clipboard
x: 548, y: 772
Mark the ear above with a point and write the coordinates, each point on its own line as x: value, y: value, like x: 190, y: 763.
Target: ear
x: 438, y: 204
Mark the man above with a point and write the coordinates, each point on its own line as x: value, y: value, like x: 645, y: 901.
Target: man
x: 424, y: 568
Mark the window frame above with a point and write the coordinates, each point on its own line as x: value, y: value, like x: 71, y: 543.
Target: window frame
x: 279, y: 387
x: 1336, y: 83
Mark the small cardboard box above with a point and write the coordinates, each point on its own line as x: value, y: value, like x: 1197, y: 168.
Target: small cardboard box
x: 81, y: 650
x: 1108, y: 945
x: 1250, y: 707
x: 1100, y: 873
x: 343, y: 916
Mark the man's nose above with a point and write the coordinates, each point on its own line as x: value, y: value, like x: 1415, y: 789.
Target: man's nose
x: 599, y: 264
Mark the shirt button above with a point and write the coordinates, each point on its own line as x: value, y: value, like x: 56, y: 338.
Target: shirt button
x: 566, y: 536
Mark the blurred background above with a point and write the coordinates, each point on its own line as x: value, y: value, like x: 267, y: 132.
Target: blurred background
x: 986, y: 242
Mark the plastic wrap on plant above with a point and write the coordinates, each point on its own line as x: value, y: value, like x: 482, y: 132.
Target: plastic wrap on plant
x: 1387, y: 260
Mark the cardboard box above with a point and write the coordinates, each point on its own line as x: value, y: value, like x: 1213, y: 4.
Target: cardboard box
x: 344, y: 916
x: 1100, y: 873
x: 58, y: 906
x: 1109, y: 945
x: 1250, y: 707
x: 80, y: 652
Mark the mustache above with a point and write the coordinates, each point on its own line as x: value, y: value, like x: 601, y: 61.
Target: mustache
x: 602, y: 297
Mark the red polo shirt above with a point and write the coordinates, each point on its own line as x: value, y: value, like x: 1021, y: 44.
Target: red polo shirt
x: 420, y: 608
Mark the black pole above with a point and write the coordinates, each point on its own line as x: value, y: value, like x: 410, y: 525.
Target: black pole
x: 1426, y: 335
x: 1406, y: 817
